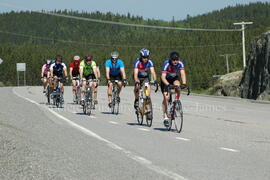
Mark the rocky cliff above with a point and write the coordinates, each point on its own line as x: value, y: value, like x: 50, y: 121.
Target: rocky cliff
x: 255, y: 83
x: 227, y: 85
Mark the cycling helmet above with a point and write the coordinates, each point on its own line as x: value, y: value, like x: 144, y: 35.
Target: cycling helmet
x: 174, y: 55
x: 88, y: 58
x: 58, y: 57
x: 76, y: 58
x: 114, y: 55
x: 144, y: 52
x: 48, y: 62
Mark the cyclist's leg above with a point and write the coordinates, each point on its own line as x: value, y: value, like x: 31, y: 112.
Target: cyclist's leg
x: 83, y: 88
x: 74, y: 87
x: 120, y: 83
x: 55, y: 78
x: 109, y: 91
x: 166, y: 97
x: 177, y: 83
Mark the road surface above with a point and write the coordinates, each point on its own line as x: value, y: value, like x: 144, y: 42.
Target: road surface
x: 222, y: 138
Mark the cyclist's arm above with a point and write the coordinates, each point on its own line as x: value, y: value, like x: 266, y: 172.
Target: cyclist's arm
x: 163, y: 78
x: 81, y: 72
x: 65, y: 71
x: 95, y: 71
x: 98, y: 72
x: 136, y: 71
x: 183, y: 76
x: 70, y: 72
x: 51, y: 72
x: 153, y: 72
x: 123, y: 73
x: 107, y: 73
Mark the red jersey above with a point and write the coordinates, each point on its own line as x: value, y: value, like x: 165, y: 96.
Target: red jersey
x: 76, y: 68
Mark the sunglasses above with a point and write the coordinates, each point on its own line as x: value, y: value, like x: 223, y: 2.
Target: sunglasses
x: 146, y: 57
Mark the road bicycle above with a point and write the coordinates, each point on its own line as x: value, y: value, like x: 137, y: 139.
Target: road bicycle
x: 115, y: 97
x: 88, y: 103
x: 57, y: 95
x: 144, y: 108
x: 77, y: 96
x: 175, y: 109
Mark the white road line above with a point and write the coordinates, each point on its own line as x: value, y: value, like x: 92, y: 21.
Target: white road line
x: 143, y: 129
x: 229, y: 149
x: 113, y: 122
x: 129, y: 154
x: 183, y: 139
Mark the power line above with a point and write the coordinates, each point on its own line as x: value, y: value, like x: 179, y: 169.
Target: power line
x: 124, y: 24
x: 137, y: 25
x: 113, y: 45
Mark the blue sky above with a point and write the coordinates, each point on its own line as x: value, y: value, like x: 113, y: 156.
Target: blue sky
x: 157, y: 9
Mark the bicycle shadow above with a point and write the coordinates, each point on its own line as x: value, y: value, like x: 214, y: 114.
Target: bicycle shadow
x: 136, y: 124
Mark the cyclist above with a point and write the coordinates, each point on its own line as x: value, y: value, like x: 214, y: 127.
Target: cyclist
x: 45, y: 70
x: 88, y: 70
x: 58, y: 70
x: 96, y: 87
x: 115, y: 70
x: 169, y: 77
x: 74, y: 74
x: 143, y: 67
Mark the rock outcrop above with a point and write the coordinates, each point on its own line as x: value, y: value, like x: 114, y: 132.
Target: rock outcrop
x: 227, y: 85
x: 255, y: 83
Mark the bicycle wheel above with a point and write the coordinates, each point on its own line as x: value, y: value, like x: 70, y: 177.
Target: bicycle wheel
x: 57, y: 102
x: 116, y: 103
x: 149, y: 114
x: 178, y: 116
x: 170, y: 116
x: 89, y: 107
x: 139, y: 112
x: 48, y: 94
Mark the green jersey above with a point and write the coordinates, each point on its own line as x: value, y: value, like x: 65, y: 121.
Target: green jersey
x: 88, y: 69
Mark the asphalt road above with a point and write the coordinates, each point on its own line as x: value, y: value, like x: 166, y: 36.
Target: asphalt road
x: 222, y: 138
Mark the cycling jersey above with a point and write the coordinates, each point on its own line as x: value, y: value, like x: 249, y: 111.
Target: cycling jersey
x: 114, y: 67
x: 170, y: 70
x: 143, y: 67
x: 88, y: 69
x: 58, y: 69
x: 76, y: 68
x: 45, y: 69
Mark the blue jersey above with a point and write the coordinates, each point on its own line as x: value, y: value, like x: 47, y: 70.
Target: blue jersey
x: 143, y: 67
x: 114, y: 67
x: 170, y: 70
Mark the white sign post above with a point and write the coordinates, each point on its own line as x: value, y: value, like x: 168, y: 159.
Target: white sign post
x: 21, y: 67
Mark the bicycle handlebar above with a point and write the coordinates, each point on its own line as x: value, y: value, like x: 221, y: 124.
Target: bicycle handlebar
x: 171, y: 87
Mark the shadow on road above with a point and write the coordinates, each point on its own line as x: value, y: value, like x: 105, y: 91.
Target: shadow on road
x: 136, y: 124
x: 106, y: 113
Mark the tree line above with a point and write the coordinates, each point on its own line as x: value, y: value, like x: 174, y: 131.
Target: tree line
x: 32, y: 38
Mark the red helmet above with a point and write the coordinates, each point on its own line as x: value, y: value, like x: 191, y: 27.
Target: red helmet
x: 76, y: 58
x: 88, y: 58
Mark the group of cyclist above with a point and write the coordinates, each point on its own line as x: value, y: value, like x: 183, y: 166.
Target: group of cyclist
x: 143, y: 71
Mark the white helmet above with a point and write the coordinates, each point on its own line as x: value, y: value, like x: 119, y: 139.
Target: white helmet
x: 114, y: 55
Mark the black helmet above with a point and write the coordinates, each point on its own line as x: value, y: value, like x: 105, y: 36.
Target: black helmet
x: 174, y: 55
x: 58, y: 57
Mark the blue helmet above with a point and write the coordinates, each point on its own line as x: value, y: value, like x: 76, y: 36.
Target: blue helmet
x: 144, y: 52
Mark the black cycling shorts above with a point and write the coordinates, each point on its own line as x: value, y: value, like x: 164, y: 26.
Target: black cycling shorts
x: 171, y: 81
x: 90, y: 76
x: 117, y: 77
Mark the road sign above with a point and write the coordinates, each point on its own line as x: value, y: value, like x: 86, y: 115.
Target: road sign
x: 21, y: 67
x: 1, y: 61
